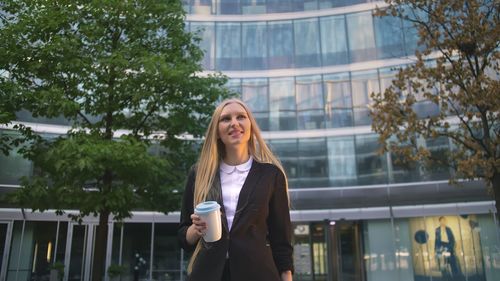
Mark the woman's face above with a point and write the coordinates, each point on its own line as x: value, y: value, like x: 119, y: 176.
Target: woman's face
x: 234, y: 125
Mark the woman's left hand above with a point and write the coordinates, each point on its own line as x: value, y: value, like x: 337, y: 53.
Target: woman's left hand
x: 286, y: 275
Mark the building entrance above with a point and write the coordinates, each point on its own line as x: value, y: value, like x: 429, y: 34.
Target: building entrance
x: 346, y: 251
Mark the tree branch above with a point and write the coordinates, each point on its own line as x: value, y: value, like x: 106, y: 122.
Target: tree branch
x: 469, y: 129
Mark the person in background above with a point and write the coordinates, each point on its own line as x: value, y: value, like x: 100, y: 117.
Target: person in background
x: 445, y: 250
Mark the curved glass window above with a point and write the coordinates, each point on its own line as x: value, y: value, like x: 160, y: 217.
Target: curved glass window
x: 206, y: 32
x: 439, y: 149
x: 371, y: 167
x: 387, y: 75
x: 361, y: 38
x: 282, y: 101
x: 402, y: 170
x: 228, y: 50
x: 233, y: 7
x: 234, y: 85
x: 253, y: 6
x: 202, y: 7
x: 307, y: 51
x: 310, y: 103
x: 333, y: 40
x: 286, y: 150
x: 338, y: 100
x: 342, y: 161
x: 325, y: 4
x: 301, y: 43
x: 228, y: 7
x: 14, y: 166
x: 254, y: 45
x: 313, y: 162
x: 280, y: 40
x: 411, y: 31
x: 283, y: 6
x: 389, y: 37
x: 254, y: 92
x: 363, y: 84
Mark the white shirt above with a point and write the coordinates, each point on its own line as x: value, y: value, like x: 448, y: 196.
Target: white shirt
x: 444, y: 235
x: 231, y: 181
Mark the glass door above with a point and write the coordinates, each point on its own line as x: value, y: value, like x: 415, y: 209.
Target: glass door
x: 5, y: 235
x: 346, y: 251
x: 79, y: 247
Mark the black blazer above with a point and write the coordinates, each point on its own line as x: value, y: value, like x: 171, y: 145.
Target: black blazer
x: 259, y: 243
x: 451, y: 240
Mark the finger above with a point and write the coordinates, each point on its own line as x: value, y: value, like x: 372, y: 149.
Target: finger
x: 200, y: 228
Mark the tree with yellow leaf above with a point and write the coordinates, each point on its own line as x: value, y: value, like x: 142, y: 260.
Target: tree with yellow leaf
x: 456, y: 72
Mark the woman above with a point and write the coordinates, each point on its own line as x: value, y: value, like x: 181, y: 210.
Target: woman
x: 238, y: 170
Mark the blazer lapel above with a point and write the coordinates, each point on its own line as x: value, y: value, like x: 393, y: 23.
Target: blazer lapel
x: 215, y: 194
x: 247, y: 190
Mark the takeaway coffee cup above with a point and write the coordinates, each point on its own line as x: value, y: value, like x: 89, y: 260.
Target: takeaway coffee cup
x: 209, y: 212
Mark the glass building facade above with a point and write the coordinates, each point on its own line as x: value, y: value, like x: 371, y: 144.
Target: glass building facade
x: 306, y: 68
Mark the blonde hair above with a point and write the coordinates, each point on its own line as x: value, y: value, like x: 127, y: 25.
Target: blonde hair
x: 213, y: 151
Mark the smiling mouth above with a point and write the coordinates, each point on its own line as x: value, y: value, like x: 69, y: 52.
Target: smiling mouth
x: 236, y: 132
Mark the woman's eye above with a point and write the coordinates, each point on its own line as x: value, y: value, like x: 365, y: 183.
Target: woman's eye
x: 224, y: 119
x: 242, y: 117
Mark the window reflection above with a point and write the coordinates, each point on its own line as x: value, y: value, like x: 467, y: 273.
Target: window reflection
x: 286, y: 150
x: 280, y: 40
x: 424, y: 107
x: 342, y: 161
x: 206, y: 33
x: 33, y: 250
x: 338, y: 100
x: 439, y: 148
x: 363, y: 84
x: 402, y: 170
x: 166, y: 253
x: 254, y: 45
x: 371, y: 167
x: 228, y: 51
x: 307, y: 51
x: 282, y: 104
x: 254, y: 92
x: 228, y: 7
x: 202, y: 7
x: 136, y: 255
x: 310, y: 102
x: 313, y: 162
x: 361, y: 38
x: 281, y: 6
x: 234, y: 85
x: 324, y: 4
x: 387, y: 76
x: 14, y: 166
x: 389, y: 37
x: 380, y: 258
x: 334, y: 40
x: 253, y: 6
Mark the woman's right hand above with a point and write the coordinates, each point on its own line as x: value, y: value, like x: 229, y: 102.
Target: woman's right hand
x: 196, y: 230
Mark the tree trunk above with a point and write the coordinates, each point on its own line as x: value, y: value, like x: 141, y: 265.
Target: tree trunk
x: 101, y: 238
x: 495, y: 182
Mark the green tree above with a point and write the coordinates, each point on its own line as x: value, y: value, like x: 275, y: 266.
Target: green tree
x: 457, y: 73
x: 127, y: 76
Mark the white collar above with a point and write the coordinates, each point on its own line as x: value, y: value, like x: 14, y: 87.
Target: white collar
x: 228, y: 169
